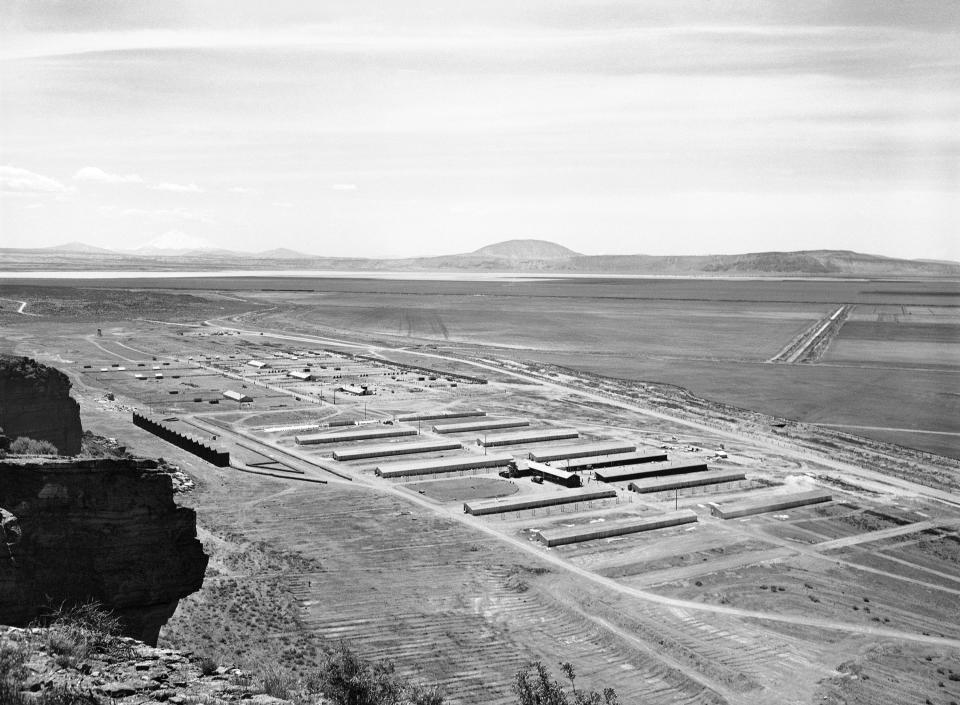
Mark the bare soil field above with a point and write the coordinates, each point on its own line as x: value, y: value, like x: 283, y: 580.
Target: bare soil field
x: 783, y: 587
x: 463, y: 489
x: 399, y: 584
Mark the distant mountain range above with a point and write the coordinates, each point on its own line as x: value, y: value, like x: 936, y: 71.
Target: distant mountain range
x: 214, y: 252
x: 79, y: 248
x: 510, y: 256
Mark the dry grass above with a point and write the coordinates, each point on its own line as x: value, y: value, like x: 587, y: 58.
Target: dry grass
x: 74, y: 633
x: 71, y: 635
x: 245, y: 596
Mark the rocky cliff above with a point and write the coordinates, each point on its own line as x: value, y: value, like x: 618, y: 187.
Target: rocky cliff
x: 104, y: 529
x: 35, y: 402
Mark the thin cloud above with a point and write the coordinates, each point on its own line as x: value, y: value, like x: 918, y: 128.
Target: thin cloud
x: 158, y: 214
x: 178, y: 240
x: 96, y: 175
x: 178, y: 188
x: 557, y: 118
x: 14, y: 180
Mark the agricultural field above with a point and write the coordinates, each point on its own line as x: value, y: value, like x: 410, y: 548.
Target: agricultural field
x: 906, y: 336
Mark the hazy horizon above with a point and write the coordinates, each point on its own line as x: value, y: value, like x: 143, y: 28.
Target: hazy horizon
x: 367, y: 129
x: 174, y: 251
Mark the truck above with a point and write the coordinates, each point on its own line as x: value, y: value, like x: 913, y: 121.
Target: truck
x: 515, y: 469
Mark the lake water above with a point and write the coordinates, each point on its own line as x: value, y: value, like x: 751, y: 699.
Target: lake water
x: 378, y: 274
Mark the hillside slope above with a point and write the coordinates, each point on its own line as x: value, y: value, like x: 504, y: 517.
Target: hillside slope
x: 534, y: 256
x: 838, y: 263
x: 525, y: 249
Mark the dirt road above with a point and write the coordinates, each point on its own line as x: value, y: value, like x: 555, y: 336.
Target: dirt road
x: 21, y: 307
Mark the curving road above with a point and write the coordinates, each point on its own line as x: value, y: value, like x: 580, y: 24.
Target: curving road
x: 20, y: 309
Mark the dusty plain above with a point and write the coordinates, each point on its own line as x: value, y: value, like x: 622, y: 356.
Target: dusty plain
x: 850, y: 601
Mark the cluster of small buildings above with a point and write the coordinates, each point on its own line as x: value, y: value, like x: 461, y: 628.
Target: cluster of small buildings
x: 615, y: 466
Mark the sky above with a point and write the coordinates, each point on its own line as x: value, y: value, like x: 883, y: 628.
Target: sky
x: 387, y: 129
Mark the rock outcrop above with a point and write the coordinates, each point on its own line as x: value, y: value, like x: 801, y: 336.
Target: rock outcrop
x: 121, y: 671
x: 35, y: 402
x: 104, y: 529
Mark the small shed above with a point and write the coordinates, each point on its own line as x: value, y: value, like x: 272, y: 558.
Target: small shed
x: 237, y: 396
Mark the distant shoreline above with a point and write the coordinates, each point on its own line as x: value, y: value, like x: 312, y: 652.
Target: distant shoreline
x: 415, y: 275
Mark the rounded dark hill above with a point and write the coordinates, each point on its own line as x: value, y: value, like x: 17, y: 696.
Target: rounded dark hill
x: 526, y: 249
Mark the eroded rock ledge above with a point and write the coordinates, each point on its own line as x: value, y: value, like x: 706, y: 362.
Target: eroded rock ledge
x: 35, y: 402
x: 104, y: 529
x: 125, y: 672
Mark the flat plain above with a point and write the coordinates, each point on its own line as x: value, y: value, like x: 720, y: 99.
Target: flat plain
x: 849, y: 601
x: 891, y: 373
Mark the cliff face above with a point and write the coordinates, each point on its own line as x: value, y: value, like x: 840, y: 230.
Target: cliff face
x: 97, y: 529
x: 35, y: 402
